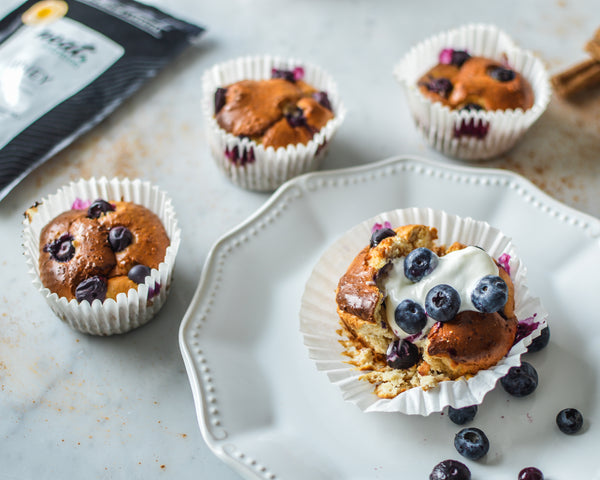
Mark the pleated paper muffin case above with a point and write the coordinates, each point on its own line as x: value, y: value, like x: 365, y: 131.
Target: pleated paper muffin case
x: 472, y: 135
x: 320, y: 323
x: 248, y: 164
x: 132, y: 309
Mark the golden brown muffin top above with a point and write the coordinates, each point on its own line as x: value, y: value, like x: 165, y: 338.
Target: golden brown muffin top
x: 478, y: 83
x: 274, y: 112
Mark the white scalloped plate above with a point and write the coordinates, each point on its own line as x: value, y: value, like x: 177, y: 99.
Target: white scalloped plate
x: 264, y: 408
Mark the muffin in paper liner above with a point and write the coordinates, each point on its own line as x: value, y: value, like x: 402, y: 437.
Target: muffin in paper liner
x: 132, y: 309
x: 320, y: 323
x: 251, y: 165
x: 458, y: 133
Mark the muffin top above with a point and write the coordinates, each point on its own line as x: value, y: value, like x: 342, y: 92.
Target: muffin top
x: 276, y: 112
x: 100, y: 251
x: 461, y: 81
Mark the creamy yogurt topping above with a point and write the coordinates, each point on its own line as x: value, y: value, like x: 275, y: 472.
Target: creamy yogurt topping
x: 461, y: 269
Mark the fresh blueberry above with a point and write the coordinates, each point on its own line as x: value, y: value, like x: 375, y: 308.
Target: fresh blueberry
x: 91, y: 289
x: 531, y: 473
x: 569, y: 420
x: 420, y: 263
x: 220, y: 99
x: 402, y: 354
x: 296, y: 118
x: 323, y: 99
x: 541, y: 341
x: 490, y: 294
x: 471, y: 443
x: 520, y: 381
x: 442, y: 303
x: 282, y: 73
x: 410, y: 316
x: 459, y: 57
x: 61, y: 249
x: 441, y: 85
x: 378, y: 235
x: 472, y: 107
x: 98, y: 207
x: 460, y: 416
x: 138, y: 273
x: 501, y: 74
x: 450, y: 470
x: 119, y: 238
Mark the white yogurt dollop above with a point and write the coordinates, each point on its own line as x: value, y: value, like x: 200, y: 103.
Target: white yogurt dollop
x: 461, y: 269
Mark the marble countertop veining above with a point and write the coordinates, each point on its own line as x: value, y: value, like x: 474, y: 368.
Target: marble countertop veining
x: 75, y: 406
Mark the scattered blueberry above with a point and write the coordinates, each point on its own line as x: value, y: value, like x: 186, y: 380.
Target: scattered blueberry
x: 569, y: 420
x: 459, y: 57
x: 501, y: 74
x: 471, y: 107
x: 450, y: 470
x: 296, y: 118
x: 530, y: 473
x: 138, y: 273
x: 460, y: 416
x: 471, y: 443
x: 91, y: 289
x: 282, y: 73
x: 220, y: 99
x: 541, y: 341
x: 119, y: 238
x: 323, y: 99
x: 420, y: 263
x: 442, y: 303
x: 410, y: 316
x: 441, y: 85
x: 490, y: 294
x: 520, y: 381
x: 61, y: 249
x: 98, y: 207
x: 378, y: 235
x: 402, y: 354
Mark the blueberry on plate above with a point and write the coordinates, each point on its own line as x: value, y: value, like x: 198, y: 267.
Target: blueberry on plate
x: 402, y: 354
x: 91, y: 288
x: 378, y: 235
x: 520, y: 381
x: 138, y: 273
x: 420, y: 263
x: 530, y: 473
x: 540, y: 341
x: 569, y: 420
x: 471, y: 443
x: 490, y: 294
x: 450, y: 470
x: 460, y: 416
x: 98, y: 207
x: 410, y: 316
x: 442, y: 303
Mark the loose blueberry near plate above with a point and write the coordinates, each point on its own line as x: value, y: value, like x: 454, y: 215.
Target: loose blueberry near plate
x: 450, y: 470
x: 541, y: 341
x: 420, y: 263
x: 471, y: 443
x: 442, y: 303
x: 520, y: 381
x: 569, y: 420
x: 460, y: 416
x: 530, y: 473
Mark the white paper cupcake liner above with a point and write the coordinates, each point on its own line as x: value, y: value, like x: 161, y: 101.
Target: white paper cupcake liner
x: 319, y: 321
x: 439, y: 123
x: 269, y: 167
x: 130, y: 310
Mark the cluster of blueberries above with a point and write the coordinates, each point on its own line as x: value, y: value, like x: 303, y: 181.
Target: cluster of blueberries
x: 473, y: 444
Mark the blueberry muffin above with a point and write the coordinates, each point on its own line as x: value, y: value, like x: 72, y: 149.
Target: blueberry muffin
x: 100, y: 251
x: 414, y: 313
x: 461, y: 81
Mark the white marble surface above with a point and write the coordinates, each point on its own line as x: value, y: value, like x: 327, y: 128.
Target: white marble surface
x: 74, y: 406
